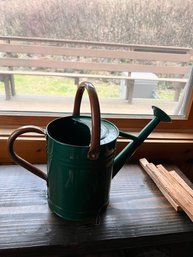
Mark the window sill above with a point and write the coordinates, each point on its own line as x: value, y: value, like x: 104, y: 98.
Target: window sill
x: 176, y: 147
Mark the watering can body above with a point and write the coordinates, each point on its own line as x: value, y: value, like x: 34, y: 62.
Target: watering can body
x: 78, y: 187
x: 81, y: 158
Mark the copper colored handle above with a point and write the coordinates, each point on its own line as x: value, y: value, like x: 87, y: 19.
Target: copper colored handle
x: 16, y: 158
x: 94, y: 150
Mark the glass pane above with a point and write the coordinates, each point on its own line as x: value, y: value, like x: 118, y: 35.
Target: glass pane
x: 56, y: 94
x: 157, y: 29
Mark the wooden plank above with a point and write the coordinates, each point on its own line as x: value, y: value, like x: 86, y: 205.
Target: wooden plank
x: 143, y: 162
x: 48, y: 63
x: 84, y: 75
x: 178, y: 179
x: 184, y: 177
x: 35, y: 149
x: 171, y: 136
x: 136, y: 216
x: 99, y: 53
x: 141, y: 47
x: 174, y: 189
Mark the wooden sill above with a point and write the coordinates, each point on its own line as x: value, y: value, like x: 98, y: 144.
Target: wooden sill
x: 185, y: 134
x: 176, y: 147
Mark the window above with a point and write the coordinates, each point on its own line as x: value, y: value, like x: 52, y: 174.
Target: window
x: 41, y: 76
x: 33, y: 105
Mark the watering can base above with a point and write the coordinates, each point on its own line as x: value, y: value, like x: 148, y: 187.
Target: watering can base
x: 77, y: 216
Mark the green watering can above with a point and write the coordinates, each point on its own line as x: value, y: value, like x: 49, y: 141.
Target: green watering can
x: 81, y: 157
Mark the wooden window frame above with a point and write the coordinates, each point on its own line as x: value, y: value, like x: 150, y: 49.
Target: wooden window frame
x: 169, y: 141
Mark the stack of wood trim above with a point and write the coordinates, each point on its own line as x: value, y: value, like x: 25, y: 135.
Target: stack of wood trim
x: 176, y: 188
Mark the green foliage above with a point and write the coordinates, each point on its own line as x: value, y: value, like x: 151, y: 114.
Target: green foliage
x: 32, y: 85
x: 166, y: 94
x: 57, y: 86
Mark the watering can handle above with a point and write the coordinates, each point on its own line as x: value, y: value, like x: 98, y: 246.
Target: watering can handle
x: 94, y: 150
x: 19, y: 160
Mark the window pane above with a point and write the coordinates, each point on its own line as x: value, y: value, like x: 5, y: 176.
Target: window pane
x: 146, y: 37
x: 56, y: 94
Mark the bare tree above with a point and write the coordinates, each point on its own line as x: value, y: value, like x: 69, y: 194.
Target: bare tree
x: 155, y: 22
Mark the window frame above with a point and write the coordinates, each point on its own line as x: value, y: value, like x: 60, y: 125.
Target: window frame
x: 11, y: 121
x: 169, y: 141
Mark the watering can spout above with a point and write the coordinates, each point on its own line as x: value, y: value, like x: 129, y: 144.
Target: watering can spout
x: 130, y: 149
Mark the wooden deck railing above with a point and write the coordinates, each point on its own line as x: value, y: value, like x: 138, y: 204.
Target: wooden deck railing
x: 84, y: 59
